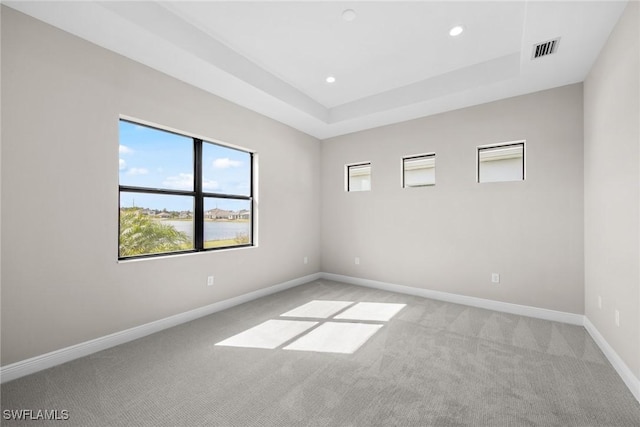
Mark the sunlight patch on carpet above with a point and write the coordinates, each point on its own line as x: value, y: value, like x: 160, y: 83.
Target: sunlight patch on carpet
x: 270, y: 334
x: 318, y: 309
x: 373, y: 311
x: 341, y: 327
x: 334, y: 337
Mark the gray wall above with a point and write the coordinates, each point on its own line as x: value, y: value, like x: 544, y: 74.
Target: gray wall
x: 612, y: 191
x: 61, y: 282
x: 450, y: 237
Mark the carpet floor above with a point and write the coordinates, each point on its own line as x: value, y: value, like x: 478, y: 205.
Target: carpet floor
x: 432, y: 364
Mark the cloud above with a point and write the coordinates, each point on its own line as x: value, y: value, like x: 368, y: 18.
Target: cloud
x: 123, y: 149
x: 225, y: 162
x: 210, y: 185
x: 123, y: 165
x: 184, y: 181
x: 138, y: 171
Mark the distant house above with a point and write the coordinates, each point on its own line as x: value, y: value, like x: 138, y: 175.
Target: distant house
x: 184, y: 215
x: 164, y: 215
x: 219, y: 214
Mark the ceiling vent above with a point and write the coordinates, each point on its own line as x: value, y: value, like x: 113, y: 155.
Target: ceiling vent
x: 545, y: 48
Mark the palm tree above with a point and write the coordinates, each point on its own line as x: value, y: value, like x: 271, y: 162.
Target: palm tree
x: 140, y: 235
x: 242, y: 238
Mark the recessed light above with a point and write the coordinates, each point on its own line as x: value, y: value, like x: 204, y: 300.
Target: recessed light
x: 330, y: 79
x: 456, y: 31
x: 349, y: 15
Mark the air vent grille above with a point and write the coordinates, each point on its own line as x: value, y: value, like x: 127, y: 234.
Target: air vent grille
x: 545, y: 48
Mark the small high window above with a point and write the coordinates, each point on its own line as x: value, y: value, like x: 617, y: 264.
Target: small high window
x: 498, y: 163
x: 358, y: 177
x: 419, y: 171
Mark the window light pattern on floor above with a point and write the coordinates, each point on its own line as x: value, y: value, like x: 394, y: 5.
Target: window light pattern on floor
x: 376, y: 311
x: 335, y: 337
x: 270, y: 334
x: 318, y: 309
x: 328, y: 332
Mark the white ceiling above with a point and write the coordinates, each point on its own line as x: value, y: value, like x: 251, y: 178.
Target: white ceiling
x: 394, y: 62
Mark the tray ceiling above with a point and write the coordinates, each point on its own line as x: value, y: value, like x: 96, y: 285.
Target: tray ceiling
x: 394, y: 62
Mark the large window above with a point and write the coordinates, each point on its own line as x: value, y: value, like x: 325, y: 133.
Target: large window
x: 503, y: 162
x: 181, y: 194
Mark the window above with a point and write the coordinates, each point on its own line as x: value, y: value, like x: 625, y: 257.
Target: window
x: 358, y: 177
x: 504, y: 162
x: 181, y: 194
x: 419, y: 171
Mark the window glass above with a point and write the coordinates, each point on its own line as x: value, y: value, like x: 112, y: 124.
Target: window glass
x: 225, y: 170
x: 359, y: 177
x: 227, y: 222
x: 153, y: 158
x: 419, y: 171
x: 501, y: 163
x: 155, y: 223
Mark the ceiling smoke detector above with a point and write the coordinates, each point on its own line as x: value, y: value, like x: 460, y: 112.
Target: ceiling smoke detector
x: 545, y: 48
x: 349, y: 15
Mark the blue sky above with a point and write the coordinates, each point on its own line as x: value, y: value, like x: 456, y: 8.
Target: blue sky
x: 152, y: 158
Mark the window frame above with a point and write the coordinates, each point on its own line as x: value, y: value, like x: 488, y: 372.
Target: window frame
x: 198, y: 194
x: 480, y: 148
x: 347, y: 177
x: 413, y: 157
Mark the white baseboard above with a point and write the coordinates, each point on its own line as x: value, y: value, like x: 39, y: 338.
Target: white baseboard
x: 505, y: 307
x: 57, y: 357
x: 632, y: 382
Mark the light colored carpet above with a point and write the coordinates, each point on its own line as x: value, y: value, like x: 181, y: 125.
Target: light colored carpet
x: 432, y: 364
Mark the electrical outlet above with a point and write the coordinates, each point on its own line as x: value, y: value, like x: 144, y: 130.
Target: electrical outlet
x: 495, y: 278
x: 210, y: 281
x: 357, y: 261
x: 599, y: 301
x: 306, y: 260
x: 617, y: 315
